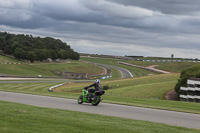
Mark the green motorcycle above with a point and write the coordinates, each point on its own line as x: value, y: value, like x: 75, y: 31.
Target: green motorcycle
x: 95, y: 98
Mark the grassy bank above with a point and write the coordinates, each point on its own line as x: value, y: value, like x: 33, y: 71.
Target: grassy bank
x: 25, y: 70
x: 146, y: 91
x: 19, y: 118
x: 9, y: 66
x: 149, y: 86
x: 176, y: 67
x: 72, y: 66
x: 136, y: 72
x: 13, y: 67
x: 167, y: 66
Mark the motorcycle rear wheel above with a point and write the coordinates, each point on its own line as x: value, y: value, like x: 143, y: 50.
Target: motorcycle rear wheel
x: 97, y: 101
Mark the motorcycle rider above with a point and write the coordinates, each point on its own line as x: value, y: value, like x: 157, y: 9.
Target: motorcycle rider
x: 97, y: 86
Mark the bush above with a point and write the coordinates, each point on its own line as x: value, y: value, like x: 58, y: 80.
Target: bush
x: 106, y: 87
x: 193, y: 71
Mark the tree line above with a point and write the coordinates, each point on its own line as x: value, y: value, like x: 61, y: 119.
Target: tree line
x: 32, y: 48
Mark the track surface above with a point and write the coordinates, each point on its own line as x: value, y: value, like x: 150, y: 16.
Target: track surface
x: 154, y: 115
x: 124, y: 72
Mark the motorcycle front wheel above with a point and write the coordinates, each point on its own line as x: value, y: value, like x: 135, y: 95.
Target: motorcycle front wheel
x: 80, y: 99
x: 96, y: 101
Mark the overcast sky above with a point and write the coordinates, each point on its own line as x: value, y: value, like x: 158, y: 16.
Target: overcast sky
x: 113, y: 27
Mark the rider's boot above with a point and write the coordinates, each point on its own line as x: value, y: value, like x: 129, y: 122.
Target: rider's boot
x: 94, y: 98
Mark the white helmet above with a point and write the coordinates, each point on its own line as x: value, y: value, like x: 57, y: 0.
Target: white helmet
x: 97, y: 81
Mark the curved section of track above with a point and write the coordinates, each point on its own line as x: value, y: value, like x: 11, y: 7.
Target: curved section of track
x: 124, y: 72
x: 154, y: 115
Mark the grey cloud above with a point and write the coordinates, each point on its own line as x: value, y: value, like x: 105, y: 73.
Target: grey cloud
x: 176, y: 7
x: 16, y: 4
x: 144, y: 23
x: 112, y: 9
x: 100, y: 12
x: 110, y: 13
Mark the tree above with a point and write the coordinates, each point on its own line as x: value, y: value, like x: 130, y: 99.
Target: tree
x: 31, y: 56
x: 20, y: 53
x: 64, y: 54
x: 53, y: 54
x: 35, y: 48
x: 74, y: 56
x: 193, y: 71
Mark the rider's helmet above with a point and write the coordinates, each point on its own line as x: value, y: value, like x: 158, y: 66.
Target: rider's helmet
x: 97, y: 81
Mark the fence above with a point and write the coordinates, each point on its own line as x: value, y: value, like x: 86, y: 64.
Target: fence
x: 171, y: 60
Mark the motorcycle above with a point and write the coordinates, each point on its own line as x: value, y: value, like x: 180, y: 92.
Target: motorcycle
x: 95, y: 98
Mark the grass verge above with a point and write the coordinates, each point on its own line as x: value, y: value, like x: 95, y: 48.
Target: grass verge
x: 142, y: 92
x: 136, y: 72
x: 72, y: 66
x: 20, y: 118
x: 9, y: 66
x: 167, y: 66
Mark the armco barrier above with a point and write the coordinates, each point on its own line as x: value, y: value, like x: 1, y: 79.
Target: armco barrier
x: 50, y: 89
x: 10, y: 63
x: 106, y: 77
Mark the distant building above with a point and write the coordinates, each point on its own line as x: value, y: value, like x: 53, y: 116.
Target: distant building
x: 192, y: 91
x: 134, y: 56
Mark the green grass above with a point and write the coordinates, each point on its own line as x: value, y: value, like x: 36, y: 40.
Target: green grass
x: 39, y: 79
x: 4, y: 59
x: 34, y: 88
x: 176, y: 66
x: 165, y: 58
x: 136, y: 72
x: 37, y: 88
x: 179, y: 106
x: 19, y: 118
x: 22, y: 69
x: 146, y: 91
x: 151, y: 90
x: 75, y: 66
x: 25, y: 70
x: 167, y: 66
x: 44, y: 69
x: 160, y: 58
x: 115, y: 73
x: 144, y: 83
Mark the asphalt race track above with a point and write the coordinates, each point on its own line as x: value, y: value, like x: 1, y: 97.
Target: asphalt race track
x: 154, y: 115
x: 124, y: 72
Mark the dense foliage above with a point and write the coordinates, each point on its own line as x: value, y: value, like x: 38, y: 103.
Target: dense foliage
x: 193, y: 71
x: 35, y: 48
